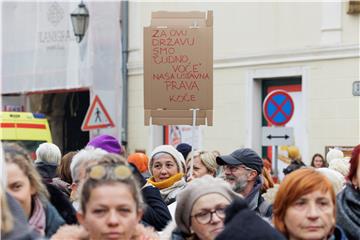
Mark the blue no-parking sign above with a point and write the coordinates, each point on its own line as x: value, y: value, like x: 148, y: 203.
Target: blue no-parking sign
x: 278, y: 107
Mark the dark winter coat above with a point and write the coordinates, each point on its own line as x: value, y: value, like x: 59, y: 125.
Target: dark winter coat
x: 47, y: 171
x: 241, y: 223
x: 53, y: 220
x: 257, y: 203
x: 156, y: 213
x: 348, y: 211
x: 294, y: 165
x: 62, y: 204
x: 58, y: 196
x: 339, y: 234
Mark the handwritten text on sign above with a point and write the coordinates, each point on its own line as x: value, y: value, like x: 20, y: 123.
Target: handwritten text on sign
x: 182, y: 70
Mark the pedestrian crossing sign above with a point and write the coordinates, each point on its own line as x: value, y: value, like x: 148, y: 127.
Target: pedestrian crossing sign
x: 97, y: 117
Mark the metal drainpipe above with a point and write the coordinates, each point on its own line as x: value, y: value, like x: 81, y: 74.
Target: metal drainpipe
x: 124, y: 22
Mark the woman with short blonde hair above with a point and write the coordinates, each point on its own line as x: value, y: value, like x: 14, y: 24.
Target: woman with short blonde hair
x: 204, y: 164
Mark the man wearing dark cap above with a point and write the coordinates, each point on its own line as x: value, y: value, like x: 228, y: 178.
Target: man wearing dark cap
x: 242, y: 169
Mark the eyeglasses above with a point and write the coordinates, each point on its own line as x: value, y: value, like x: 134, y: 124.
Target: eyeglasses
x: 99, y: 171
x: 207, y: 217
x: 234, y: 168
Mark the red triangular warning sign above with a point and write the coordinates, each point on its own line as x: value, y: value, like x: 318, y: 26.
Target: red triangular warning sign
x: 97, y: 116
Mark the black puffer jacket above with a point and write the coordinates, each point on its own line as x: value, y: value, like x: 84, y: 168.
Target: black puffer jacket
x: 62, y: 204
x: 156, y: 213
x: 294, y: 165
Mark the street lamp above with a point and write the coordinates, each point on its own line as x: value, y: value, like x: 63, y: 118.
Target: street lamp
x: 80, y: 21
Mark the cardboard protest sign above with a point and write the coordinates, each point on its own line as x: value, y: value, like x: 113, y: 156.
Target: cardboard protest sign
x: 178, y: 68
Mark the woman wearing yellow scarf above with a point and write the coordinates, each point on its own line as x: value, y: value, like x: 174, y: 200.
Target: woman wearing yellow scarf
x: 166, y: 167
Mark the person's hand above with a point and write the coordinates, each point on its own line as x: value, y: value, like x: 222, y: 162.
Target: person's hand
x: 70, y: 232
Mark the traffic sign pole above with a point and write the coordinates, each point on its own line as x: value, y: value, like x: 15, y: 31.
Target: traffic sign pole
x: 193, y: 141
x: 278, y: 108
x: 276, y: 155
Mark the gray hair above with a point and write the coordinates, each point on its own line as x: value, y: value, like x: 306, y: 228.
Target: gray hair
x: 48, y: 153
x: 87, y: 155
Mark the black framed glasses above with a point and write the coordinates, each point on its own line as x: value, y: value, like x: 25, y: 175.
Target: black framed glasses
x: 207, y: 217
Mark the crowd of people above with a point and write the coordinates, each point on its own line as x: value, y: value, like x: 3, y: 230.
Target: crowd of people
x: 101, y: 192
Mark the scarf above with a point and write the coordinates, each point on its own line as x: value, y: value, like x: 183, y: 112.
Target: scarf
x: 170, y: 187
x: 38, y: 217
x: 252, y: 198
x: 166, y: 183
x: 348, y: 211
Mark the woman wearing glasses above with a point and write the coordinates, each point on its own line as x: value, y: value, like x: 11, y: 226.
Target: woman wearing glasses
x: 204, y: 164
x: 304, y: 207
x: 318, y: 161
x: 200, y: 210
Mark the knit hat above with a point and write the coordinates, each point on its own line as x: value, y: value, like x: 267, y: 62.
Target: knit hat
x: 337, y: 180
x: 193, y: 191
x: 340, y: 165
x: 180, y: 161
x: 140, y: 160
x: 184, y: 149
x: 245, y: 156
x: 107, y: 143
x: 241, y: 223
x: 334, y: 154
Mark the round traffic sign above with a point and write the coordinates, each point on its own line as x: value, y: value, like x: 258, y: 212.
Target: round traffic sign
x: 278, y: 107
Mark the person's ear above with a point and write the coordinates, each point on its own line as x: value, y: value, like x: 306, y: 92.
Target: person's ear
x: 74, y: 187
x: 212, y: 173
x: 252, y: 175
x: 80, y: 217
x: 73, y: 194
x: 32, y: 190
x: 140, y: 214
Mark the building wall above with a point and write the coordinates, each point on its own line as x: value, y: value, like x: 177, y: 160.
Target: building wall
x: 319, y: 41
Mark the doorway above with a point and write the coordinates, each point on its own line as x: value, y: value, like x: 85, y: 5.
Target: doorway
x: 77, y: 103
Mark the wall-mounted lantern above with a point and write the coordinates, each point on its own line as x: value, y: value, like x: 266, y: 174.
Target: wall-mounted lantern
x: 80, y: 21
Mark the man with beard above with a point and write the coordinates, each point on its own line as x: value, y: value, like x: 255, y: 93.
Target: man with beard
x: 242, y: 169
